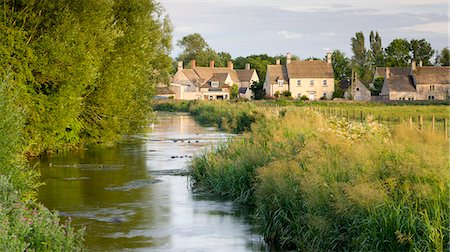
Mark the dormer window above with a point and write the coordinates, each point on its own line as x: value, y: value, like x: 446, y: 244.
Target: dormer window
x: 280, y: 83
x: 214, y: 84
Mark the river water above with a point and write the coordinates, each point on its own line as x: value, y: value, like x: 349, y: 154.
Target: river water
x: 135, y: 196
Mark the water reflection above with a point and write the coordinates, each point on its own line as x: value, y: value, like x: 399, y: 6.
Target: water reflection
x: 135, y: 196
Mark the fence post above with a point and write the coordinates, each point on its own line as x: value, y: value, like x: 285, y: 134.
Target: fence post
x: 347, y: 115
x: 445, y: 128
x: 410, y: 121
x: 420, y: 122
x: 354, y: 115
x: 432, y: 123
x: 379, y: 119
x: 361, y: 115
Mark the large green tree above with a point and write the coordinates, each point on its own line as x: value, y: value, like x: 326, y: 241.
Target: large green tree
x: 443, y: 58
x: 341, y: 66
x: 85, y: 70
x: 397, y: 53
x: 360, y: 60
x: 376, y: 50
x: 195, y: 47
x: 421, y: 51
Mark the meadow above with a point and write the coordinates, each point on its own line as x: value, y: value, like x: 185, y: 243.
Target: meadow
x: 320, y: 182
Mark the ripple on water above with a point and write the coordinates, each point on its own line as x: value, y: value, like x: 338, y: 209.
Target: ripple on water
x: 135, y: 184
x: 110, y: 215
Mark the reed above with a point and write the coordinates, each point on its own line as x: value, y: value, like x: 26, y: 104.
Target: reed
x: 320, y: 183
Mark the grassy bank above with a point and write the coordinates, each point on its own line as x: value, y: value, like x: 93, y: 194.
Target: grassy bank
x: 320, y: 183
x: 25, y: 225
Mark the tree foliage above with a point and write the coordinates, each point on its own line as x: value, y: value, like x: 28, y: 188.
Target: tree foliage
x: 421, y: 51
x: 84, y: 70
x: 397, y: 53
x: 376, y: 50
x: 341, y: 66
x: 360, y: 60
x: 443, y: 58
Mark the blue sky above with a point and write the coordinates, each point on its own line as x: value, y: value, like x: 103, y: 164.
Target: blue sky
x: 306, y: 28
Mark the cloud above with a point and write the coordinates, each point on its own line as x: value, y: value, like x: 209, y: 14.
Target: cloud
x: 291, y: 35
x: 435, y: 27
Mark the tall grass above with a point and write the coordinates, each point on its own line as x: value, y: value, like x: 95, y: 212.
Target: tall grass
x: 329, y: 184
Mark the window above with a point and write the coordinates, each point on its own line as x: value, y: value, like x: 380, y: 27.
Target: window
x: 311, y: 82
x: 432, y: 88
x: 214, y: 84
x: 324, y: 82
x: 431, y: 97
x: 324, y: 94
x: 280, y: 83
x: 299, y: 95
x: 299, y: 82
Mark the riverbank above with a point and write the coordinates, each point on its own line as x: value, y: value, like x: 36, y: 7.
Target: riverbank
x: 318, y: 183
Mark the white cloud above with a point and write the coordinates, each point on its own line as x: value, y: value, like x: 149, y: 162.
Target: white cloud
x: 291, y: 35
x: 436, y: 27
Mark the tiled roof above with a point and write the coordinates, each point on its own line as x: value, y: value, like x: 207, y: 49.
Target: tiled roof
x: 245, y: 75
x: 400, y: 83
x: 310, y: 69
x: 242, y: 90
x: 432, y: 75
x: 277, y: 72
x: 206, y: 73
x: 381, y: 71
x: 163, y: 91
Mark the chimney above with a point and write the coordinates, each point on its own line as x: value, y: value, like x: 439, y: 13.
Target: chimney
x: 230, y: 65
x: 288, y: 58
x: 388, y: 72
x: 193, y: 64
x: 211, y: 64
x: 180, y: 65
x: 413, y: 65
x: 277, y: 61
x: 247, y: 66
x: 420, y: 63
x: 329, y: 57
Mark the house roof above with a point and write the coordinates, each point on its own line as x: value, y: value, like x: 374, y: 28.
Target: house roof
x: 400, y: 83
x: 163, y: 91
x: 206, y: 73
x: 432, y: 75
x: 361, y: 85
x: 242, y: 90
x: 277, y: 72
x: 310, y: 69
x: 245, y: 75
x: 404, y: 71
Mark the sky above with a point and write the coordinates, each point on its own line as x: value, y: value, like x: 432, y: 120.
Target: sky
x: 306, y: 28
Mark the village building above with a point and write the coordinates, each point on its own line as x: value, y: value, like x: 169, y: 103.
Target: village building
x: 210, y: 83
x: 415, y: 83
x: 357, y: 91
x: 311, y: 78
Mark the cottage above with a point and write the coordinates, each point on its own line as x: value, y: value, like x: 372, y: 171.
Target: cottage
x: 311, y: 78
x: 210, y: 83
x: 358, y: 91
x: 415, y: 83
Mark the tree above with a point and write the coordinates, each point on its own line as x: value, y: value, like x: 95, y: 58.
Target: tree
x: 421, y: 51
x: 443, y: 58
x: 397, y: 53
x: 360, y: 59
x: 234, y: 91
x: 196, y: 48
x: 376, y: 52
x: 258, y: 90
x: 341, y: 66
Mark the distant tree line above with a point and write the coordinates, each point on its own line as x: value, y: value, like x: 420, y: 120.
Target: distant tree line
x: 398, y: 53
x: 84, y: 71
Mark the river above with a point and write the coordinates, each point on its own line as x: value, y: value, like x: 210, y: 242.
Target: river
x: 135, y: 196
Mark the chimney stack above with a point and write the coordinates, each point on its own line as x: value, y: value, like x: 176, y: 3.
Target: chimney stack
x: 420, y: 63
x: 288, y: 58
x: 193, y: 64
x: 180, y: 65
x: 329, y: 57
x: 413, y: 65
x: 230, y: 65
x: 388, y: 72
x: 247, y: 66
x: 211, y: 64
x: 277, y: 61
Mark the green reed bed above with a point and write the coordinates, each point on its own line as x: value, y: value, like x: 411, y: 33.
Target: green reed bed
x: 320, y: 183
